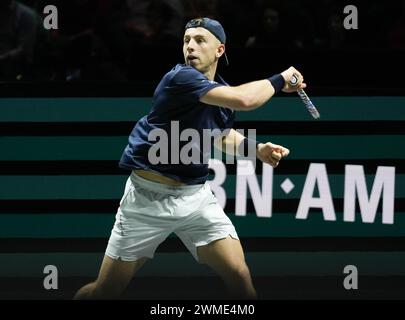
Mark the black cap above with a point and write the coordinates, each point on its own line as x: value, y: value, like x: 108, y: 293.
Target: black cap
x: 212, y: 26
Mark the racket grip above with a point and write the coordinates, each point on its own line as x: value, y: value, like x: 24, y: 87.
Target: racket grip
x: 305, y: 99
x: 308, y: 104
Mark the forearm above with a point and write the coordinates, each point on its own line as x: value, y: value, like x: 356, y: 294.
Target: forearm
x: 235, y: 143
x: 257, y: 92
x: 231, y: 143
x: 245, y: 97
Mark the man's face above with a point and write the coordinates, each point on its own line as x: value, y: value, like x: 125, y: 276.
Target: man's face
x: 201, y: 48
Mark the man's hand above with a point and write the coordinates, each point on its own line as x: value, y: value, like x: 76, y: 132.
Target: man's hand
x: 271, y: 153
x: 287, y: 75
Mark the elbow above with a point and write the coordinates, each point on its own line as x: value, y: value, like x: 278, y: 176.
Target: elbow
x: 248, y: 103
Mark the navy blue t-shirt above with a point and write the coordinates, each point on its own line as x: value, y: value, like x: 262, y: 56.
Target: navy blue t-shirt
x: 176, y: 105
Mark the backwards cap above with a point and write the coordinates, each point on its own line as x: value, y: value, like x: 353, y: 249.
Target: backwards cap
x: 212, y: 26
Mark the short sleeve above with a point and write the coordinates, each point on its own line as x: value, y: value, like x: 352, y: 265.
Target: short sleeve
x: 191, y: 84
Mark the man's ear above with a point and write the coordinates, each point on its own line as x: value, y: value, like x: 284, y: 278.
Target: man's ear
x: 220, y: 50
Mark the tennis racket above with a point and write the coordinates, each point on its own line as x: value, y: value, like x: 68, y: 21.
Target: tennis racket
x: 305, y: 99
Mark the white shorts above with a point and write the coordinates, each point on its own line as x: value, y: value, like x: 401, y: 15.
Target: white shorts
x: 149, y: 212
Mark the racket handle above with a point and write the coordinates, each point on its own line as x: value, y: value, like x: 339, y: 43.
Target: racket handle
x: 305, y: 99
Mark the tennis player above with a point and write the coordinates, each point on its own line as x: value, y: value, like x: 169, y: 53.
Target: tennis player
x: 164, y: 197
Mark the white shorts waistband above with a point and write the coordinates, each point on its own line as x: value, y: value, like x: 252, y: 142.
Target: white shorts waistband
x: 164, y: 188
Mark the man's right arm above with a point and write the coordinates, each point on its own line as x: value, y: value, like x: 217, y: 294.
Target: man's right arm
x: 250, y: 95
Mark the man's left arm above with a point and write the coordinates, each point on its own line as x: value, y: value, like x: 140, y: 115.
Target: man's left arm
x: 234, y: 142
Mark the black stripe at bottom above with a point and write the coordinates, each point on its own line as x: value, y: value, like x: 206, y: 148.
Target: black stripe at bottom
x: 291, y: 287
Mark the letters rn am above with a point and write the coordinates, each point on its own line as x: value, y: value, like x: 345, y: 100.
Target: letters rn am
x: 355, y: 188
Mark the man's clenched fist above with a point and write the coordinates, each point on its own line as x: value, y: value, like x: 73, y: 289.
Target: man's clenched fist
x: 271, y: 153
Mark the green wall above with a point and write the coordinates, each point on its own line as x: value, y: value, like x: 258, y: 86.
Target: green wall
x: 77, y: 200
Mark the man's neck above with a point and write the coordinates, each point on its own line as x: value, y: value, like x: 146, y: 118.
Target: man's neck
x: 210, y: 74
